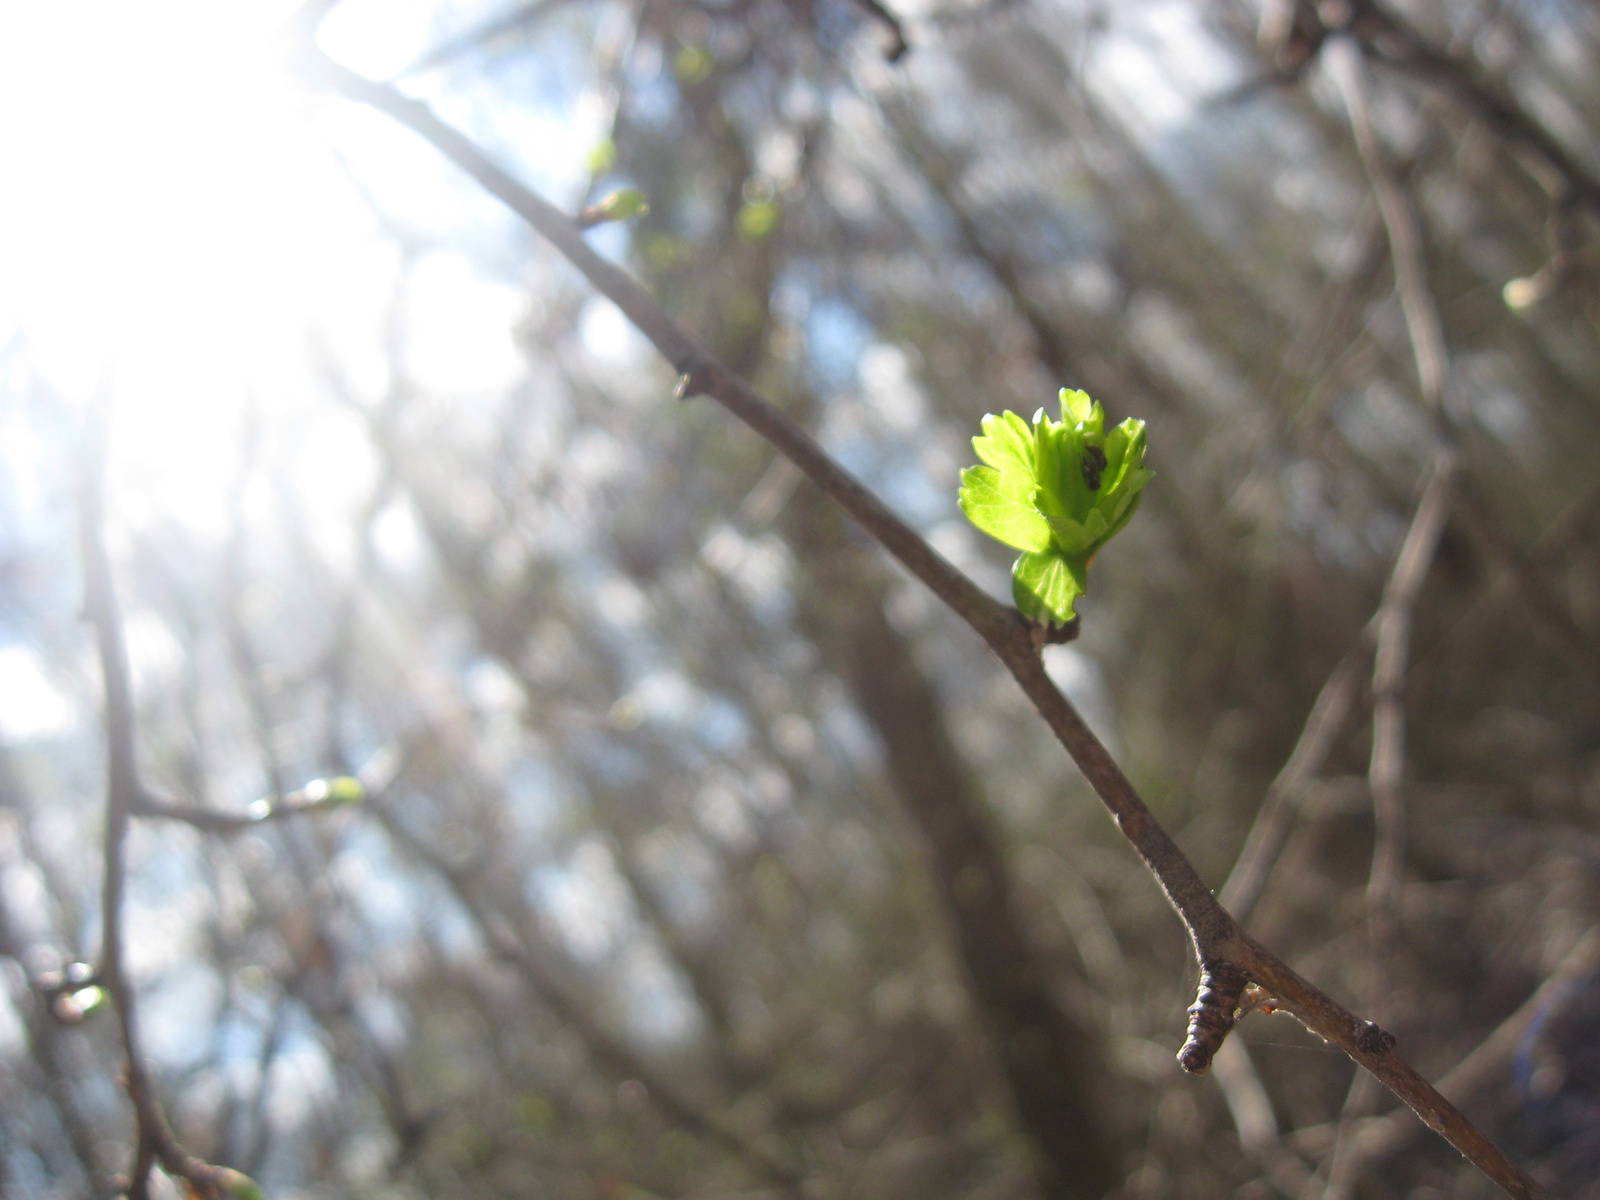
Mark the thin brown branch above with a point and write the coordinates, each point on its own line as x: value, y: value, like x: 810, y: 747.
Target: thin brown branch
x: 1295, y: 31
x: 1392, y: 625
x: 607, y: 1048
x: 1392, y: 629
x: 154, y: 1140
x: 1215, y: 934
x: 480, y: 37
x: 1275, y: 818
x: 316, y: 797
x: 1386, y: 37
x: 53, y: 1073
x: 1253, y: 1119
x: 1426, y: 335
x: 699, y: 372
x: 1388, y: 683
x: 1488, y: 1063
x: 1399, y: 219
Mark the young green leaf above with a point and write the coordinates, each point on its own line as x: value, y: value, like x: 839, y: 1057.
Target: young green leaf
x: 1006, y: 518
x: 1058, y: 491
x: 1046, y: 586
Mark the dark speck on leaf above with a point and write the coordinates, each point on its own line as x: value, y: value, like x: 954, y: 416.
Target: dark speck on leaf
x: 1094, y: 465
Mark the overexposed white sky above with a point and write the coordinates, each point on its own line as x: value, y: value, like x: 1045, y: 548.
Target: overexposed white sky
x: 179, y: 230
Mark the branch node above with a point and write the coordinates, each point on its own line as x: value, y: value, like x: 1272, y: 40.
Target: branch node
x: 1211, y: 1016
x: 1372, y: 1039
x: 1048, y: 633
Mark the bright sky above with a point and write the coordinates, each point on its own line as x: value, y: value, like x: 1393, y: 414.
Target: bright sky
x: 154, y: 159
x: 178, y: 232
x: 176, y: 228
x: 1156, y: 65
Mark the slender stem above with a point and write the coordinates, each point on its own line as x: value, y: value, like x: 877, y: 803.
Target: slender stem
x: 1214, y: 933
x: 122, y: 790
x: 154, y: 1140
x: 1270, y: 832
x: 507, y: 944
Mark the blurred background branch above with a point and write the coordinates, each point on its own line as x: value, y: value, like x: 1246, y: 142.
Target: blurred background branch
x: 389, y: 486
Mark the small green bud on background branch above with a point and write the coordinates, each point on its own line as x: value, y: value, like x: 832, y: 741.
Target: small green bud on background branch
x: 616, y: 206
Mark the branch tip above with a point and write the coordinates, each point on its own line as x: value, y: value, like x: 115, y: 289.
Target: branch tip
x: 1212, y: 1015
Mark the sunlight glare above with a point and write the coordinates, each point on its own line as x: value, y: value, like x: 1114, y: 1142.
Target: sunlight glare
x: 30, y: 705
x: 459, y: 326
x: 171, y: 228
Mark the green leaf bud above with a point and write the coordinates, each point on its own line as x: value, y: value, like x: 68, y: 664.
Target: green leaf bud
x: 615, y: 206
x: 1058, y: 491
x: 346, y: 789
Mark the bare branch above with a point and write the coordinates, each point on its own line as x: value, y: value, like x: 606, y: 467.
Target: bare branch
x: 1392, y: 625
x: 1386, y: 37
x: 1274, y: 819
x: 1393, y: 622
x: 154, y: 1140
x: 1486, y: 1065
x: 1214, y: 933
x: 610, y: 1050
x: 1388, y: 682
x: 481, y: 36
x: 318, y: 796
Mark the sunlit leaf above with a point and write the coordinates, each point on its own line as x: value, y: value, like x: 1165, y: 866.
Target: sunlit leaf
x: 1003, y: 517
x: 1047, y: 586
x: 1057, y: 490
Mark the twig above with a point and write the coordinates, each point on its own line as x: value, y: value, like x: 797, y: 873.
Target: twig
x: 1253, y: 1120
x: 1399, y: 219
x: 320, y: 795
x: 1216, y: 936
x: 1392, y: 626
x: 1486, y: 1065
x: 898, y: 45
x: 1386, y: 769
x: 53, y: 1074
x: 1393, y: 623
x: 1388, y: 681
x: 1386, y: 37
x: 210, y: 820
x: 479, y: 37
x: 1270, y: 831
x: 611, y: 1051
x: 154, y: 1140
x: 1427, y: 342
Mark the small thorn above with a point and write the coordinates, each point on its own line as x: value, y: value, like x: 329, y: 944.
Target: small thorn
x: 695, y: 380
